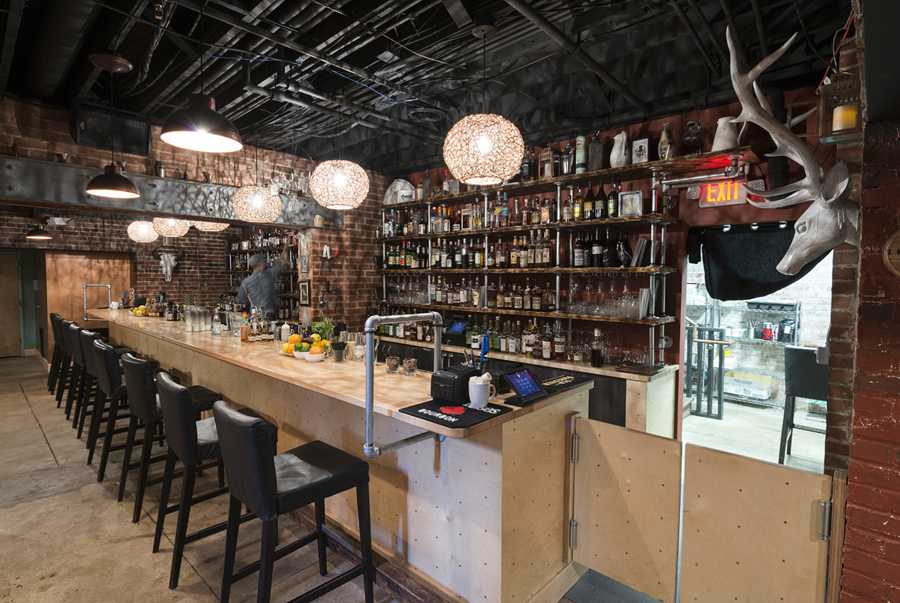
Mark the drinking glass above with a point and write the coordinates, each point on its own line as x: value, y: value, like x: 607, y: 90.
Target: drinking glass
x: 359, y: 347
x: 409, y: 367
x: 392, y: 364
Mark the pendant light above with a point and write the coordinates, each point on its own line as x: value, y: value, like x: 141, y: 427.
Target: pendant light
x: 171, y: 227
x: 142, y: 232
x: 484, y: 149
x: 339, y: 184
x: 38, y: 234
x: 111, y: 183
x: 210, y: 226
x: 199, y: 127
x: 256, y: 204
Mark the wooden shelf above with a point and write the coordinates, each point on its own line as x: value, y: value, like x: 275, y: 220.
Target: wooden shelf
x: 641, y: 171
x: 645, y: 270
x: 659, y: 219
x: 548, y: 315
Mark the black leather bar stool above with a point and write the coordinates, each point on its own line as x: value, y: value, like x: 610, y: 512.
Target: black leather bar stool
x: 273, y: 485
x: 73, y: 345
x: 90, y: 369
x: 87, y: 383
x: 143, y: 402
x: 803, y: 378
x: 111, y: 387
x: 65, y: 367
x: 193, y: 442
x: 56, y: 358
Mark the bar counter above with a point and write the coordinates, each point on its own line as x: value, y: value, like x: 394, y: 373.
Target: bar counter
x: 481, y: 516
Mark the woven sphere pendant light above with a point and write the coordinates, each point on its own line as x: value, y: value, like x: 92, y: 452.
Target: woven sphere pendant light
x: 142, y: 232
x: 210, y: 226
x: 339, y: 184
x: 171, y: 227
x: 256, y: 204
x: 483, y: 149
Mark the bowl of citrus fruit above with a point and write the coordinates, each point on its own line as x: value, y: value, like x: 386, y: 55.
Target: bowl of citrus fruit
x: 316, y: 350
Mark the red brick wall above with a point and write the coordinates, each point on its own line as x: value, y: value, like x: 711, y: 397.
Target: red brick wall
x: 42, y: 132
x: 872, y: 547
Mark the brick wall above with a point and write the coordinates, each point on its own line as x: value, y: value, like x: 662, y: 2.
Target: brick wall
x: 41, y: 131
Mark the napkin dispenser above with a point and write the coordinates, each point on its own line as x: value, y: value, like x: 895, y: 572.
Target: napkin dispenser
x: 452, y: 384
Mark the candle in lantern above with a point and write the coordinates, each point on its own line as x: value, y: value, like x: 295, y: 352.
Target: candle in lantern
x: 844, y: 117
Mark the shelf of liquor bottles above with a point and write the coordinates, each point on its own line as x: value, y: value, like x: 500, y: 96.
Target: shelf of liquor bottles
x: 646, y: 270
x: 639, y: 171
x: 652, y: 321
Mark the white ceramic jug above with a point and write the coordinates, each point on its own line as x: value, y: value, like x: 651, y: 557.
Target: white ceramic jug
x: 620, y: 155
x: 726, y: 135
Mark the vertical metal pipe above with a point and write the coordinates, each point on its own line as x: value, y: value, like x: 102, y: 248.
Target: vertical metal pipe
x: 760, y: 29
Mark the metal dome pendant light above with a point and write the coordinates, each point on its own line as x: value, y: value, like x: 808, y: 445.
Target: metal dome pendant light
x: 339, y: 184
x: 111, y: 183
x: 256, y: 204
x: 199, y: 127
x: 484, y: 149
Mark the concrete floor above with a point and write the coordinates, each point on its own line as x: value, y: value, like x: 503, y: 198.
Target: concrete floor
x: 755, y: 431
x: 65, y: 538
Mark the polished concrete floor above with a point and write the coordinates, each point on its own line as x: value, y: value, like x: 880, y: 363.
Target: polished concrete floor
x: 755, y: 431
x: 63, y: 536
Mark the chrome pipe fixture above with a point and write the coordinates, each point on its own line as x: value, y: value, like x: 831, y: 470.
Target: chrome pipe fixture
x: 372, y: 323
x: 737, y: 170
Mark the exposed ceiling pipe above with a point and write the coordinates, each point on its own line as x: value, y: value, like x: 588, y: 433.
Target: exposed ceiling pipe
x: 709, y: 30
x: 694, y: 36
x: 563, y: 40
x: 760, y: 29
x: 59, y: 43
x: 729, y: 16
x: 323, y: 57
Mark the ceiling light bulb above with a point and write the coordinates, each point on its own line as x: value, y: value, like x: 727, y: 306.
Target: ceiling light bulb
x: 171, y: 227
x: 210, y: 226
x: 38, y: 234
x: 256, y: 204
x: 142, y: 232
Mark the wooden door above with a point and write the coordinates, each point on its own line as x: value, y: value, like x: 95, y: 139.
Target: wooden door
x: 10, y: 309
x: 67, y: 273
x: 749, y: 530
x: 626, y: 504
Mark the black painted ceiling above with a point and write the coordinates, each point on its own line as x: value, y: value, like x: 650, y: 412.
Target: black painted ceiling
x: 406, y: 70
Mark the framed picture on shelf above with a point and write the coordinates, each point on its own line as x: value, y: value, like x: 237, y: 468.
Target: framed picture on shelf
x: 640, y: 150
x: 631, y: 203
x: 304, y: 293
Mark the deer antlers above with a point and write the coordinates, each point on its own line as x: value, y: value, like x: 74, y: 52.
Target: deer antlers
x: 756, y: 110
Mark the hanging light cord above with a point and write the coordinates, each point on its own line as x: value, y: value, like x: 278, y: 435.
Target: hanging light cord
x: 202, y: 87
x: 112, y: 119
x: 484, y: 73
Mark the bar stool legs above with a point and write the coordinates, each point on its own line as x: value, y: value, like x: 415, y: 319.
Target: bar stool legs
x: 184, y: 514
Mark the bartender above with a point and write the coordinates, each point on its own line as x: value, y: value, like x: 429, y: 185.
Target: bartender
x: 258, y: 289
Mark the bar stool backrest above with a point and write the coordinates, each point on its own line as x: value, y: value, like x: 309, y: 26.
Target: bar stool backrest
x: 74, y: 340
x: 55, y: 323
x: 109, y: 375
x: 249, y: 461
x: 64, y: 336
x: 179, y: 416
x: 141, y: 386
x: 87, y: 346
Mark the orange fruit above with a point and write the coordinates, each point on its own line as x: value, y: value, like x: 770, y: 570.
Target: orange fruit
x: 317, y: 349
x: 287, y: 348
x: 295, y: 338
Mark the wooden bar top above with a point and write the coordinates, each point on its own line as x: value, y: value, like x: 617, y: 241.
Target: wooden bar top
x: 345, y: 381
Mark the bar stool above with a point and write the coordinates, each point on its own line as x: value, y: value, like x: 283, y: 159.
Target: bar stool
x: 273, y: 485
x: 65, y: 364
x: 143, y: 402
x: 56, y: 358
x: 803, y: 378
x: 90, y: 369
x: 73, y: 346
x: 193, y: 442
x: 111, y: 387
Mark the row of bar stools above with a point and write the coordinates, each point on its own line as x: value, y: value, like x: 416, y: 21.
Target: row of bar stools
x: 271, y: 485
x: 192, y: 442
x: 56, y: 358
x: 144, y: 405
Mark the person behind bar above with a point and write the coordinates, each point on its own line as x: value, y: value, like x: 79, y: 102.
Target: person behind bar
x: 258, y: 289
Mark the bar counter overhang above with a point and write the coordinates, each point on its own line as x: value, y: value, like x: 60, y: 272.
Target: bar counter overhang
x: 482, y: 516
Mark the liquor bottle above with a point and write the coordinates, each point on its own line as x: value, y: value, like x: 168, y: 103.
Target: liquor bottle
x: 578, y: 260
x: 515, y: 219
x: 507, y: 297
x: 423, y: 258
x: 581, y: 154
x: 545, y: 211
x: 612, y: 202
x: 495, y: 336
x: 504, y: 211
x: 568, y: 209
x: 514, y: 253
x: 491, y: 258
x: 456, y: 225
x: 464, y: 255
x: 479, y: 256
x: 588, y: 250
x: 517, y: 300
x: 536, y: 213
x: 445, y: 219
x: 527, y: 342
x: 513, y: 340
x: 597, y: 251
x: 462, y: 294
x: 500, y: 257
x: 526, y: 295
x: 546, y: 343
x: 525, y: 219
x: 445, y: 184
x: 492, y: 295
x: 216, y: 323
x: 549, y: 299
x: 597, y: 350
x: 411, y: 257
x: 476, y: 336
x: 547, y: 250
x: 559, y: 343
x: 523, y: 252
x: 536, y: 297
x: 432, y: 290
x: 579, y: 206
x: 253, y: 337
x: 503, y: 338
x: 600, y: 204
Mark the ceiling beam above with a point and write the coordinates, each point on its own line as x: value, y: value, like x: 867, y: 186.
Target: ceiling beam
x: 10, y: 35
x: 460, y: 15
x: 563, y: 40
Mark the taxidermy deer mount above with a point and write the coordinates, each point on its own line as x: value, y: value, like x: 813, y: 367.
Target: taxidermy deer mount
x: 832, y: 218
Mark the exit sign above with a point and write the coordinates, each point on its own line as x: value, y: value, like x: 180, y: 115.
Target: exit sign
x: 725, y: 193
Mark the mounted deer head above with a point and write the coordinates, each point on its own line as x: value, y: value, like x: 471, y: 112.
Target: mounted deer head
x: 832, y: 218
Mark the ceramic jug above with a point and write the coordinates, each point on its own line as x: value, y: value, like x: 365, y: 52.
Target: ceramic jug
x: 620, y: 155
x: 726, y: 135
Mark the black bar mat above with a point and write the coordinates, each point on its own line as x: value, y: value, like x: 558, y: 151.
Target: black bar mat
x: 452, y: 415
